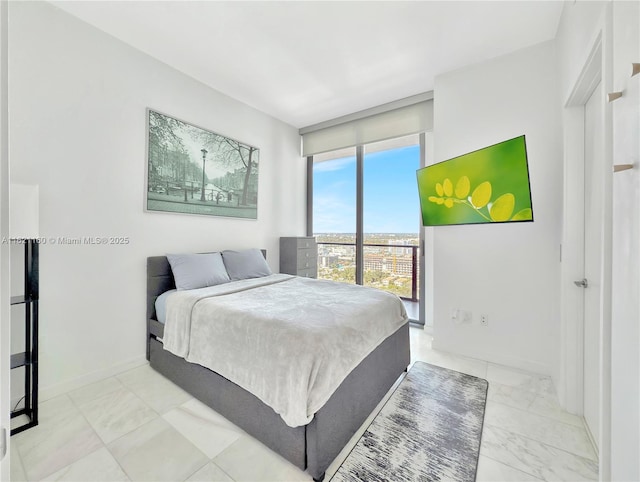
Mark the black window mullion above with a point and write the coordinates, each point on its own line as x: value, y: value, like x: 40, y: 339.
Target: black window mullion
x: 309, y: 195
x: 359, y: 214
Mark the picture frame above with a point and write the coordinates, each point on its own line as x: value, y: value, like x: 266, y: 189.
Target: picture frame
x: 192, y: 170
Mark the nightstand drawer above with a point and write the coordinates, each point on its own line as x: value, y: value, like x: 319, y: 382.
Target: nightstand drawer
x: 307, y: 258
x: 309, y: 272
x: 299, y: 254
x: 306, y: 243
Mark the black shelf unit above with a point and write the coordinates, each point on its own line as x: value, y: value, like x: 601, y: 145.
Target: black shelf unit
x: 29, y: 358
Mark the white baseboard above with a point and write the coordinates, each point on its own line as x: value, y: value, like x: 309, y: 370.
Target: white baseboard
x: 592, y: 439
x: 53, y: 391
x: 498, y: 359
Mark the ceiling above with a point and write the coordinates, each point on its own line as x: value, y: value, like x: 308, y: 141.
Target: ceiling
x: 305, y: 62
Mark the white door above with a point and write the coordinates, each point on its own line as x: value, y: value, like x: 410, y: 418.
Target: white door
x: 593, y: 194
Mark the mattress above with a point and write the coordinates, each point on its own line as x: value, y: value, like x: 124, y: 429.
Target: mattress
x: 161, y: 306
x: 290, y: 341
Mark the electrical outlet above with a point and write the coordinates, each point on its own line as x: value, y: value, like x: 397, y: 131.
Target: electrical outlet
x: 459, y: 316
x: 484, y: 320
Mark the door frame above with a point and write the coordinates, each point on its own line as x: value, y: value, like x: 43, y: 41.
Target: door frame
x: 597, y: 67
x: 5, y: 312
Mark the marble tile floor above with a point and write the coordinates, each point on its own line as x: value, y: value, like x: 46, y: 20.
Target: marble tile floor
x: 139, y: 426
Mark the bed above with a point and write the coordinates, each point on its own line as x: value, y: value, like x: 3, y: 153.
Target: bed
x: 311, y: 447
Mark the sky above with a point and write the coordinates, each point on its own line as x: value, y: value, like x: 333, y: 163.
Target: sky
x: 391, y: 203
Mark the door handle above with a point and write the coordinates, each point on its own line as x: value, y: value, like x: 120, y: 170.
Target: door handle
x: 583, y: 283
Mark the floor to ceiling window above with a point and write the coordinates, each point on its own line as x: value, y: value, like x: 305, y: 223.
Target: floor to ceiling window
x: 386, y: 220
x: 334, y: 214
x: 362, y: 200
x: 391, y: 219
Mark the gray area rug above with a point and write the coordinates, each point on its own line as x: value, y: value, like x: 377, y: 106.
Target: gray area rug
x: 429, y: 430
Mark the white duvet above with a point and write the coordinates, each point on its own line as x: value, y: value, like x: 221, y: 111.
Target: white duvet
x: 290, y: 341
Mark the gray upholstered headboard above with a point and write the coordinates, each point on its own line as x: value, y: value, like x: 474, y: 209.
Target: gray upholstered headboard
x: 159, y: 280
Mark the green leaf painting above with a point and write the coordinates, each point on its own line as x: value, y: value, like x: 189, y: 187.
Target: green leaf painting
x: 490, y: 185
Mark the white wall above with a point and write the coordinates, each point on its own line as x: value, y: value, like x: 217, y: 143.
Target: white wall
x: 577, y: 30
x: 625, y: 316
x: 4, y: 248
x: 77, y: 113
x: 580, y: 25
x: 509, y: 272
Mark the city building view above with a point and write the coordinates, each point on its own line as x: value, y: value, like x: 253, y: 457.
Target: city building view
x: 390, y: 260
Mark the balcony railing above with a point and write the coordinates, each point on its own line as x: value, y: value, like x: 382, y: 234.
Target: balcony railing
x: 391, y: 263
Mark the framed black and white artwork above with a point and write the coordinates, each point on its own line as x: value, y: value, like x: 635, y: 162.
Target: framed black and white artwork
x: 192, y: 170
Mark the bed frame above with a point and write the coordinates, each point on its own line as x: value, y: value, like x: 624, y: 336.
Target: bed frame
x: 312, y: 447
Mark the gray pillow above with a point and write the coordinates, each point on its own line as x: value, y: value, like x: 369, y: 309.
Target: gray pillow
x: 192, y: 271
x: 249, y: 263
